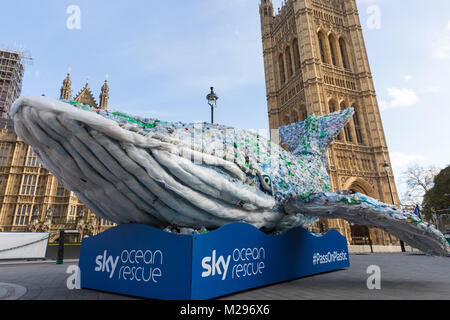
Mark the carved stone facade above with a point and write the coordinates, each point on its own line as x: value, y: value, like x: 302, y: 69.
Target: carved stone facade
x: 316, y: 62
x: 85, y: 96
x: 31, y: 198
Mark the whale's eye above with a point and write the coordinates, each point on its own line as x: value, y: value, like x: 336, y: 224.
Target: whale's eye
x: 266, y: 183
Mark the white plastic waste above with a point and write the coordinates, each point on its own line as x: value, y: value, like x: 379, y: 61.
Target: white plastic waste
x: 193, y: 176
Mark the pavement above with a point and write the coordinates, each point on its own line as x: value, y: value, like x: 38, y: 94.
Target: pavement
x: 403, y: 276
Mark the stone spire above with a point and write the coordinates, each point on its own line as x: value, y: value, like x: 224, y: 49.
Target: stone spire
x: 266, y: 9
x: 104, y: 95
x: 85, y: 96
x: 66, y: 91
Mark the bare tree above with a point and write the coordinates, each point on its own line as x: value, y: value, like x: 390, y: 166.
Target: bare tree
x: 419, y: 181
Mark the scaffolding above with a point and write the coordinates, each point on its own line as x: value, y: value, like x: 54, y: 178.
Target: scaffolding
x: 12, y: 67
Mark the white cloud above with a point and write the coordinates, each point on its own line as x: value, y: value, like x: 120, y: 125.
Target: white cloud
x: 407, y: 77
x: 442, y: 44
x: 400, y: 97
x: 442, y: 51
x: 401, y: 161
x: 431, y: 89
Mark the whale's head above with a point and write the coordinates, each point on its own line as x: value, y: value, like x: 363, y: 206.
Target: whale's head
x: 128, y: 169
x: 84, y: 151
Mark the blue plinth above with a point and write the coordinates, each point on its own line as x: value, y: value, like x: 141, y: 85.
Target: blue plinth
x: 142, y: 261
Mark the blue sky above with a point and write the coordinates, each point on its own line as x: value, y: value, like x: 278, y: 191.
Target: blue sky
x: 162, y: 57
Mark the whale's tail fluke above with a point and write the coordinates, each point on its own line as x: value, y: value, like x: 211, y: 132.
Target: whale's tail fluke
x: 315, y: 134
x: 363, y: 210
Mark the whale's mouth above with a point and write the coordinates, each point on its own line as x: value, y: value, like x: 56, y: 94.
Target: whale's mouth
x: 126, y: 177
x: 64, y: 137
x: 46, y: 109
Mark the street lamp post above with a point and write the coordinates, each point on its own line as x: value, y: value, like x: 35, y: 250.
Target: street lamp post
x: 60, y: 255
x: 212, y: 101
x: 386, y: 167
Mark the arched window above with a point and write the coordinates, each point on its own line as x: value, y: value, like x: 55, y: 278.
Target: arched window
x: 295, y: 117
x: 357, y: 121
x: 288, y: 56
x: 343, y: 49
x: 332, y: 106
x: 347, y: 129
x: 303, y: 113
x: 348, y: 135
x: 281, y: 66
x: 332, y: 43
x: 297, y: 61
x: 321, y: 37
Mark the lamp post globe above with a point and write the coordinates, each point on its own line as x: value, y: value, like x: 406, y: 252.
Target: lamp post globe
x: 212, y: 101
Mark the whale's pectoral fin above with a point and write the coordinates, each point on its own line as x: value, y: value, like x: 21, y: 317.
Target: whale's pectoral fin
x: 315, y: 134
x: 363, y: 210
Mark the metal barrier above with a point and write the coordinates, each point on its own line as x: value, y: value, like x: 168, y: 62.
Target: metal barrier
x: 13, y: 245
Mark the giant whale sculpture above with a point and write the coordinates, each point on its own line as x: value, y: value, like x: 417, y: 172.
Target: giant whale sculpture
x: 132, y: 170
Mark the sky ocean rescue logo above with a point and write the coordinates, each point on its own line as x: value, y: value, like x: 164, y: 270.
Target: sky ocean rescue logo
x: 132, y: 265
x: 246, y: 262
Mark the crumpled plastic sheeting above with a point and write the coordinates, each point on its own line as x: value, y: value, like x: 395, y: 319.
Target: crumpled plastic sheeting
x: 363, y: 210
x: 186, y: 231
x: 169, y: 173
x: 189, y: 176
x: 248, y: 156
x: 130, y: 175
x: 314, y: 135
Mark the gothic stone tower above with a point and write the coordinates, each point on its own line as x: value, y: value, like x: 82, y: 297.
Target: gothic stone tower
x: 85, y: 95
x: 316, y: 62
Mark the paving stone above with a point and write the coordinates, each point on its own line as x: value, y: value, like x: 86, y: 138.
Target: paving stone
x: 10, y: 291
x: 403, y: 276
